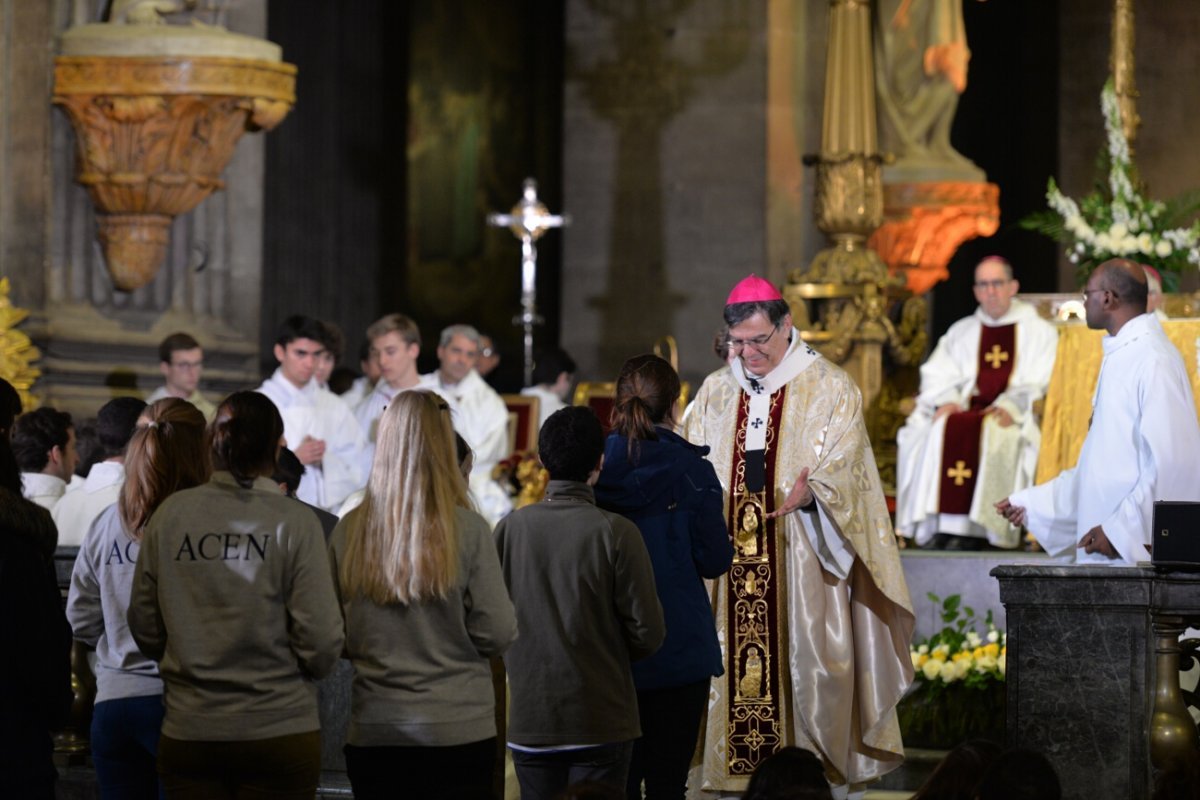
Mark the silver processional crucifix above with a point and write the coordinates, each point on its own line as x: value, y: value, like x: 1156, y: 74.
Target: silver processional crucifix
x: 528, y: 220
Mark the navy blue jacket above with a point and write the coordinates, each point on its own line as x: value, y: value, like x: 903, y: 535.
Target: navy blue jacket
x: 673, y: 496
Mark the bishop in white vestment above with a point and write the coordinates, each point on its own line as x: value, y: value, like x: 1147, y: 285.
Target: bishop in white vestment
x: 814, y: 615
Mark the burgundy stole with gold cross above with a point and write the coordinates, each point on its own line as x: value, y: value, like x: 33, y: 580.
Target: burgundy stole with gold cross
x: 756, y: 653
x: 960, y: 448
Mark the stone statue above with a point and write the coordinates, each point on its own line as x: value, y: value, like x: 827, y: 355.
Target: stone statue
x: 921, y: 59
x: 145, y: 12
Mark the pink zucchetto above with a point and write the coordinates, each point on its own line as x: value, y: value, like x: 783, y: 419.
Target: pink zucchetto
x: 1153, y: 273
x: 753, y: 289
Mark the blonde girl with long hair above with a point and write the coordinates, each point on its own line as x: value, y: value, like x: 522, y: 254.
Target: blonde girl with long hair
x: 165, y: 455
x: 425, y: 606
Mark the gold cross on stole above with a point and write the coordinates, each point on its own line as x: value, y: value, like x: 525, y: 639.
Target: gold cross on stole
x: 959, y: 473
x: 995, y: 357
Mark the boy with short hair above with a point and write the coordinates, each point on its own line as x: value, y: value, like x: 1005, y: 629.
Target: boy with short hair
x: 583, y: 587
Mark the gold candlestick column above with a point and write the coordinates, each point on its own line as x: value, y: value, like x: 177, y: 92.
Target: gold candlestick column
x: 1121, y: 64
x: 849, y: 188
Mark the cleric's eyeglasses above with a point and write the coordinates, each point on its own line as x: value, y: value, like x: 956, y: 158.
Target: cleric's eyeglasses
x: 757, y: 343
x: 997, y: 284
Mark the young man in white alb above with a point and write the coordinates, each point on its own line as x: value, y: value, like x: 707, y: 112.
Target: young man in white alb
x: 319, y: 428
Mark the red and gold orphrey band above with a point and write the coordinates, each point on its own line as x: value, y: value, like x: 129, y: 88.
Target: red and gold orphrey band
x: 756, y: 657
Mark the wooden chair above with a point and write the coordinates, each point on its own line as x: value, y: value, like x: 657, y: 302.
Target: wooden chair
x: 600, y: 396
x: 523, y: 415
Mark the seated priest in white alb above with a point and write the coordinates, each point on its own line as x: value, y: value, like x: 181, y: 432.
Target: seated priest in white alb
x: 1141, y: 445
x: 478, y: 414
x: 553, y: 371
x: 319, y: 428
x: 973, y: 437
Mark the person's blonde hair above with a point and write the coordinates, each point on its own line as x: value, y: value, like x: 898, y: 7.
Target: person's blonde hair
x: 402, y: 542
x: 165, y: 455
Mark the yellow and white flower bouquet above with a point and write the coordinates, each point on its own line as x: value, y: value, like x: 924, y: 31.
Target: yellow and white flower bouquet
x: 958, y: 686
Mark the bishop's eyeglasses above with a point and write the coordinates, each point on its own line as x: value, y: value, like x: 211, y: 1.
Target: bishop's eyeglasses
x: 757, y: 343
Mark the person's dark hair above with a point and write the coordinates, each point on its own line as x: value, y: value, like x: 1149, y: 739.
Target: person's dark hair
x: 333, y: 339
x: 793, y: 772
x: 956, y: 776
x: 570, y: 443
x: 299, y: 326
x: 1120, y: 278
x: 88, y: 449
x: 461, y: 448
x: 1020, y: 774
x: 647, y: 388
x: 244, y: 436
x: 341, y: 379
x: 364, y: 351
x: 36, y: 433
x: 549, y: 364
x: 10, y: 473
x: 10, y: 406
x: 174, y: 342
x: 288, y: 471
x: 775, y: 311
x: 115, y: 424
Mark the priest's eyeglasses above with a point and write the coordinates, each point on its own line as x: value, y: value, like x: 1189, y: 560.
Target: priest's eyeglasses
x: 997, y: 284
x: 757, y: 343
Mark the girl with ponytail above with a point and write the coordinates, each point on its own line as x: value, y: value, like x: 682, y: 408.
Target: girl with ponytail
x: 165, y: 455
x: 663, y: 483
x: 232, y: 596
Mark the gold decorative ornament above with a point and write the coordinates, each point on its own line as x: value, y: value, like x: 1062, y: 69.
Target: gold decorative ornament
x: 16, y: 350
x: 157, y: 112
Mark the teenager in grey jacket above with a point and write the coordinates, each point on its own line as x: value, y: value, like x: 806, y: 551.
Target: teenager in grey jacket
x: 165, y: 455
x: 583, y: 587
x: 425, y: 606
x: 232, y: 596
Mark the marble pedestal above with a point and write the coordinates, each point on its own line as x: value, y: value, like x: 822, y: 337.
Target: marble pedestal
x: 1081, y: 668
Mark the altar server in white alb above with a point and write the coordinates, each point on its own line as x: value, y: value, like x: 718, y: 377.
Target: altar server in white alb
x: 973, y: 437
x: 320, y: 429
x: 479, y: 414
x: 1142, y: 442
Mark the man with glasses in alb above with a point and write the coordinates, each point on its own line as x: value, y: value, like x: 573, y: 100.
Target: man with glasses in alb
x: 973, y: 438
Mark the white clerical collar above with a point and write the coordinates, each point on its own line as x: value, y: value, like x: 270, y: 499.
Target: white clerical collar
x: 307, y: 390
x: 799, y: 356
x: 1016, y: 311
x: 1131, y: 331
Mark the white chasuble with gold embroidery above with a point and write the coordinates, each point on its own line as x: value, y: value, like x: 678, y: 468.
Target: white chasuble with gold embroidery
x: 814, y: 615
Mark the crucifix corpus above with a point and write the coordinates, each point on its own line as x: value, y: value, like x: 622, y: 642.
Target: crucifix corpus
x: 528, y: 220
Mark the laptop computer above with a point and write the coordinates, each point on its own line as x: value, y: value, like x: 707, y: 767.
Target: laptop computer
x: 1175, y: 537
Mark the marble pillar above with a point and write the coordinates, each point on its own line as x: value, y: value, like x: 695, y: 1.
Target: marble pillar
x: 97, y: 342
x: 1081, y: 669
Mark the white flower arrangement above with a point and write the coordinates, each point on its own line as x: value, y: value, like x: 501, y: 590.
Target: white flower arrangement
x: 958, y: 652
x: 1116, y: 220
